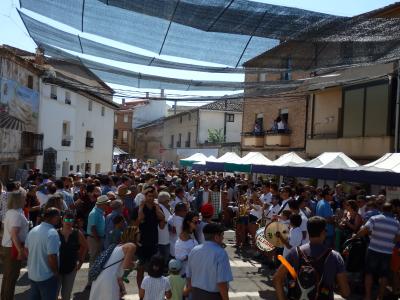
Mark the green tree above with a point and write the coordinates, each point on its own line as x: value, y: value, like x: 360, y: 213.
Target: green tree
x: 216, y: 136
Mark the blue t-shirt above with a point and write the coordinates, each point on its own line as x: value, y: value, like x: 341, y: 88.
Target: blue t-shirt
x: 42, y: 241
x: 96, y: 218
x: 324, y: 210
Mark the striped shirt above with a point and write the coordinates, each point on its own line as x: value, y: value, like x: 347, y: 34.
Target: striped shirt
x: 155, y: 288
x: 384, y: 229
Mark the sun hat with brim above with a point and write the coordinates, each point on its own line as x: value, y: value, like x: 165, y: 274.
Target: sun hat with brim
x: 123, y: 191
x: 103, y: 199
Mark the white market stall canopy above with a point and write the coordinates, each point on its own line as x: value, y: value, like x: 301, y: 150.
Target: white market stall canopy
x: 285, y: 160
x: 118, y: 151
x: 247, y: 162
x: 384, y: 171
x: 192, y: 159
x: 201, y: 165
x: 218, y: 165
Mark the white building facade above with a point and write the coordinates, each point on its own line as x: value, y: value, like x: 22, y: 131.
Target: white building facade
x: 77, y: 129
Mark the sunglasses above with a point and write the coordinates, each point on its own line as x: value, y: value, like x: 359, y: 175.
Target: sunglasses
x: 69, y: 220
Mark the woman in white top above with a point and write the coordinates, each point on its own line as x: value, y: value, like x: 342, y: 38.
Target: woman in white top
x: 16, y: 228
x: 109, y: 285
x: 186, y: 241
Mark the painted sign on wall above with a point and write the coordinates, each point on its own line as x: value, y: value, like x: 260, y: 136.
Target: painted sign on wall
x: 19, y: 106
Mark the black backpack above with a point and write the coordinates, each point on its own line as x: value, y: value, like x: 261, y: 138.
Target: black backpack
x: 308, y: 285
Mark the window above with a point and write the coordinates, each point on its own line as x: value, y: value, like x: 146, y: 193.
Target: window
x: 65, y: 137
x: 179, y: 142
x: 77, y: 168
x: 125, y: 118
x: 97, y: 168
x: 90, y: 105
x: 230, y: 117
x: 180, y: 119
x: 284, y: 114
x: 103, y: 111
x: 124, y: 136
x: 189, y: 117
x: 68, y: 98
x: 262, y: 77
x: 53, y: 92
x: 30, y: 81
x: 115, y: 133
x: 288, y: 74
x: 171, y: 145
x: 366, y: 111
x: 188, y: 140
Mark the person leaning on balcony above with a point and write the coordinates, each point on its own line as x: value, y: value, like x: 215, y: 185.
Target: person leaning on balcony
x: 281, y: 125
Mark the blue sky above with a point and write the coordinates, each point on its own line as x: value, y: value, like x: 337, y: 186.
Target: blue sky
x: 13, y: 33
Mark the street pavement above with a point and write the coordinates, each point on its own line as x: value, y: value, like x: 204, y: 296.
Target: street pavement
x: 252, y: 280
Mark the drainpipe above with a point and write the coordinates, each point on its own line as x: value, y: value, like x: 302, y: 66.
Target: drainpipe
x: 397, y: 120
x: 225, y: 119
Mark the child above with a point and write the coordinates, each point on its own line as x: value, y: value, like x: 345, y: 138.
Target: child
x: 176, y: 281
x: 155, y: 286
x: 115, y: 234
x: 295, y: 235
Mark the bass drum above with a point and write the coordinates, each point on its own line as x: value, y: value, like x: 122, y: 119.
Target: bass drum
x: 261, y: 241
x: 272, y: 229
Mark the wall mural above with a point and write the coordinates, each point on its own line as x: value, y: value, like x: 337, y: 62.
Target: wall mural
x: 19, y: 106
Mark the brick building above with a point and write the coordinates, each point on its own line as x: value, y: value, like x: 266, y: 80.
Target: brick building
x: 123, y: 127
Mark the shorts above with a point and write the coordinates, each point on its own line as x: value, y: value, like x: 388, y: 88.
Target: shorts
x: 378, y: 263
x: 253, y: 219
x: 242, y: 220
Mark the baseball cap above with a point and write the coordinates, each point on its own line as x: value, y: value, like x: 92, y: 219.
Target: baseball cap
x: 174, y: 265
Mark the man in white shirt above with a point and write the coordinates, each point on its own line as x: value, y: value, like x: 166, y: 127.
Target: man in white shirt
x: 273, y: 209
x: 286, y: 197
x: 175, y: 225
x: 362, y: 205
x: 163, y: 234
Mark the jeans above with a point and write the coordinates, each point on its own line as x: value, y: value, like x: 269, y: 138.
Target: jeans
x: 44, y: 290
x: 66, y: 284
x: 95, y: 248
x: 164, y: 251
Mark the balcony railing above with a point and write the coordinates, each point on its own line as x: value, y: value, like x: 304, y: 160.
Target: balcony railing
x: 178, y: 144
x: 253, y: 139
x: 31, y: 144
x: 187, y: 144
x: 65, y: 143
x: 280, y: 138
x: 89, y: 142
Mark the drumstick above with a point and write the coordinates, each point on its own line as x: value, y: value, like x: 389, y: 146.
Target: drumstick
x: 288, y: 266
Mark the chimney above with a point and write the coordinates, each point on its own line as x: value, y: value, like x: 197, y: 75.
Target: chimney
x: 39, y: 56
x: 123, y: 101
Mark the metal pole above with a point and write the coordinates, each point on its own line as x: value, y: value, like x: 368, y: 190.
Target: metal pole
x: 397, y: 120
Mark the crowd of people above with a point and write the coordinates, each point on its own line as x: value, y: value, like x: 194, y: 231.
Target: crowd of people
x: 169, y: 223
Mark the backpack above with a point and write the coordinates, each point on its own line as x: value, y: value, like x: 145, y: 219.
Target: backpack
x: 308, y: 285
x: 101, y: 260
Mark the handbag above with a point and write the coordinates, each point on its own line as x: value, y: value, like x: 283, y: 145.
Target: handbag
x: 14, y: 251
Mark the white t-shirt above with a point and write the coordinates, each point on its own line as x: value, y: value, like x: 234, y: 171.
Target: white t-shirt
x: 155, y: 288
x: 14, y: 218
x: 182, y: 250
x: 43, y: 198
x: 205, y: 197
x: 139, y: 199
x: 266, y: 198
x: 176, y: 222
x: 285, y: 204
x: 163, y: 234
x: 257, y: 211
x: 295, y: 240
x: 272, y: 211
x: 303, y: 226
